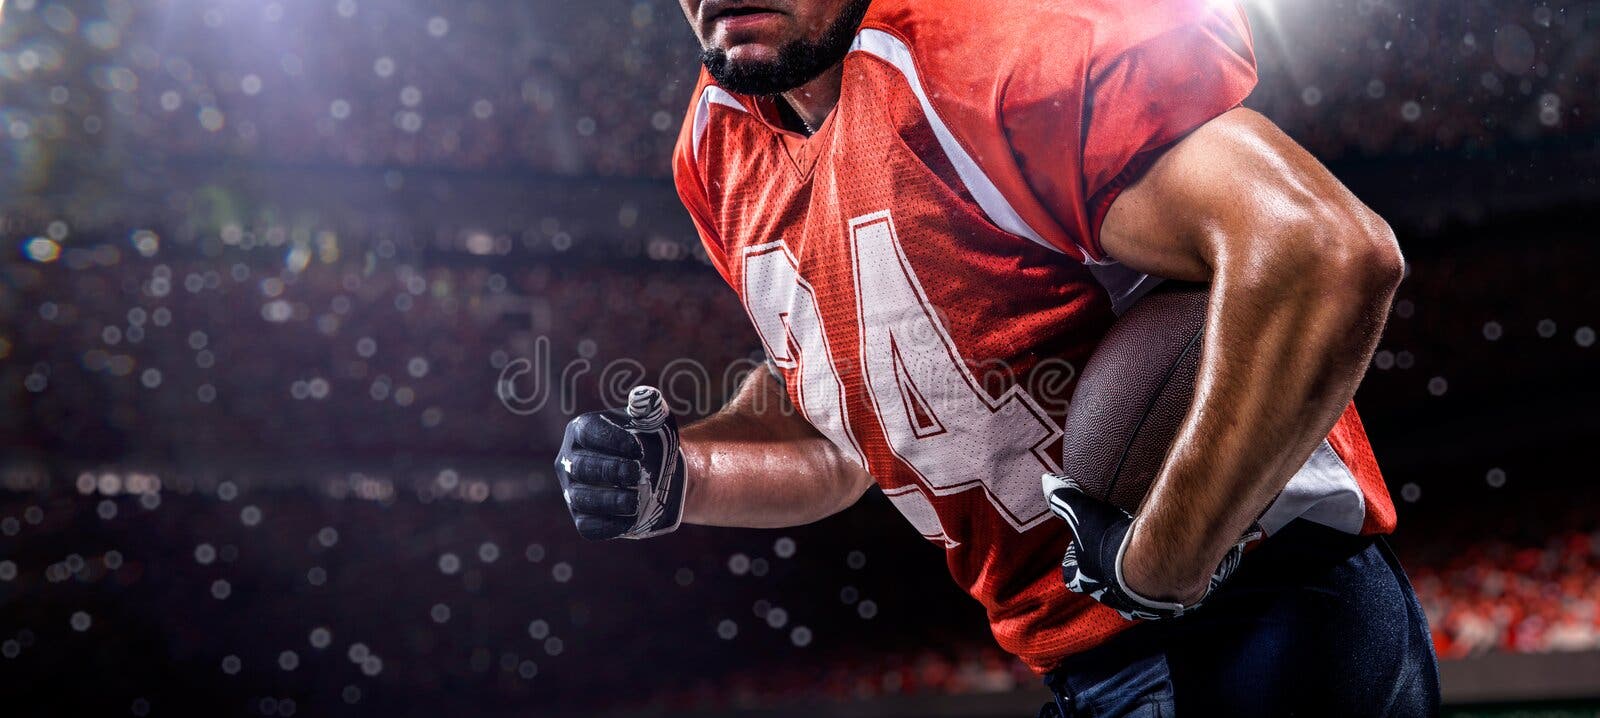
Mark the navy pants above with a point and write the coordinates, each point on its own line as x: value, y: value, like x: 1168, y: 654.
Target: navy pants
x: 1314, y: 623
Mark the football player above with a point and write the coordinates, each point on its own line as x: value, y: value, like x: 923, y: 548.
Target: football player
x: 901, y: 191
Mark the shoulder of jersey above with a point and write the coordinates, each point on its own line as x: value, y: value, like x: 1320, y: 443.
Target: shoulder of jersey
x: 984, y: 36
x: 970, y: 52
x: 993, y: 26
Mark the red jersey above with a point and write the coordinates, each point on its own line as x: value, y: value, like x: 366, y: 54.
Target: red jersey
x: 925, y: 271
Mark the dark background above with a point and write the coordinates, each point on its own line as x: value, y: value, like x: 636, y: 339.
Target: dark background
x: 265, y: 261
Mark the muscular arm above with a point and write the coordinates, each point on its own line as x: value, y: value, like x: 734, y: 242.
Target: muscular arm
x: 1302, y: 275
x: 758, y: 463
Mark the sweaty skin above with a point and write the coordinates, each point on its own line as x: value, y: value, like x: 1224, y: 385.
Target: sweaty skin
x: 1302, y: 275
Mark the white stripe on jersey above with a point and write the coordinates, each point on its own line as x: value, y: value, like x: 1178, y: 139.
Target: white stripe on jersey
x: 702, y: 112
x: 891, y: 50
x: 1124, y: 285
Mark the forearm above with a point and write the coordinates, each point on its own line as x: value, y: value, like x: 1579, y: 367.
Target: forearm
x: 1301, y: 278
x: 1291, y: 328
x: 759, y: 464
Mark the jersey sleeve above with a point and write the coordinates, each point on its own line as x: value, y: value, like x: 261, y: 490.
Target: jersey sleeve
x: 1086, y: 115
x: 690, y: 183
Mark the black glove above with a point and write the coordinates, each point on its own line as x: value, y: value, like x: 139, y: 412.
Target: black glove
x: 1093, y: 562
x: 622, y: 473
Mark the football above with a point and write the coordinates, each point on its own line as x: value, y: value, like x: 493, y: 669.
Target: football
x: 1133, y: 394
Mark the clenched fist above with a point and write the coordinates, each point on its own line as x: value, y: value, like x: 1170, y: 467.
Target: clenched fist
x: 622, y: 472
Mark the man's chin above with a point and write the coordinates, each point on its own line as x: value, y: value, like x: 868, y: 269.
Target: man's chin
x: 751, y: 54
x: 749, y: 67
x: 751, y: 76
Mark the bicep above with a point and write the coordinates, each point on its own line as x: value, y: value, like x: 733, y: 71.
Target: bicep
x: 1222, y: 187
x: 762, y: 406
x: 760, y: 413
x: 759, y: 463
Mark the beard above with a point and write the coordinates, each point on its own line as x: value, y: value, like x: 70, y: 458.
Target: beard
x: 797, y: 63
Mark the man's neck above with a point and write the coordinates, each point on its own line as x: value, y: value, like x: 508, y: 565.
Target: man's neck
x: 813, y: 101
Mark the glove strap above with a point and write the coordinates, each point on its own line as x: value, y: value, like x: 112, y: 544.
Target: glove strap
x: 1168, y: 609
x: 661, y: 507
x: 661, y: 496
x: 1164, y: 609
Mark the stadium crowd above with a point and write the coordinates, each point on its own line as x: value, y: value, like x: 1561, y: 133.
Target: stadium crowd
x: 111, y: 349
x: 1503, y: 586
x: 1365, y: 78
x: 328, y: 338
x: 374, y: 591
